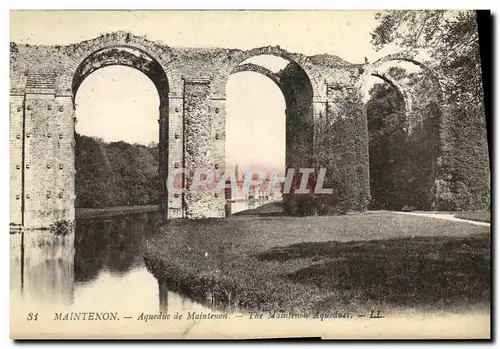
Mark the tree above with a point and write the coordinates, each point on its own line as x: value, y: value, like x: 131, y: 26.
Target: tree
x: 115, y: 174
x: 450, y: 39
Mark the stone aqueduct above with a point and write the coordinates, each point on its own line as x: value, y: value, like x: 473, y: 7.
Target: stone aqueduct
x: 326, y: 121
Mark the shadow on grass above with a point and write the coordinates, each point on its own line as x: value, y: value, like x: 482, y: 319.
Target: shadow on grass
x: 432, y: 272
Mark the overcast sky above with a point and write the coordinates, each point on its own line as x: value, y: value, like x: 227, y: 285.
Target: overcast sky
x: 119, y: 103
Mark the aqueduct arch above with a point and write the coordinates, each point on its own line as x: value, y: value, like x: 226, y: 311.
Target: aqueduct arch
x: 312, y: 72
x: 435, y: 93
x: 138, y: 59
x: 422, y: 146
x: 319, y: 90
x: 251, y: 67
x: 297, y: 90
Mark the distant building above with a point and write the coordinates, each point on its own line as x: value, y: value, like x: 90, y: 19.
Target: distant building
x: 256, y: 195
x: 260, y: 192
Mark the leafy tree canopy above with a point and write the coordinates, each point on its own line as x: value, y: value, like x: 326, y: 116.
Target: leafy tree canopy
x: 450, y: 38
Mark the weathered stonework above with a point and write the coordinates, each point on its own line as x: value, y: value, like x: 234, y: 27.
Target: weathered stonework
x: 199, y: 149
x: 326, y: 121
x: 16, y: 160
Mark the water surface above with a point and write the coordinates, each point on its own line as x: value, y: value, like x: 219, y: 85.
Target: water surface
x: 104, y: 271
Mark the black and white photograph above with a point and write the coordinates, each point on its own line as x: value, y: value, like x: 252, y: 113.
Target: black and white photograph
x: 250, y: 174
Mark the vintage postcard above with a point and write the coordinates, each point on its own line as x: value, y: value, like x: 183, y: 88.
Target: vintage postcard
x: 249, y: 174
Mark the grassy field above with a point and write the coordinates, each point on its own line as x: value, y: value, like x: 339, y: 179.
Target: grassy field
x: 344, y: 263
x: 480, y: 216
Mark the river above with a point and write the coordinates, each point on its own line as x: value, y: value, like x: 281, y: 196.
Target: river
x: 104, y: 271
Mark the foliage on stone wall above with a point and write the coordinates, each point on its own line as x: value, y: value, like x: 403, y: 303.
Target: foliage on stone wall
x: 385, y: 113
x: 451, y: 41
x: 298, y: 94
x: 402, y: 159
x: 341, y: 147
x: 464, y: 181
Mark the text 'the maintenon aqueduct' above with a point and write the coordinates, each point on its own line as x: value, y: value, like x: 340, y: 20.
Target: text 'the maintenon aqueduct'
x: 326, y: 124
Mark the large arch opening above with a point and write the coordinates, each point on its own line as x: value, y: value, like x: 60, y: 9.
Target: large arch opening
x: 404, y: 136
x: 122, y: 129
x: 116, y: 134
x: 255, y: 134
x: 272, y: 97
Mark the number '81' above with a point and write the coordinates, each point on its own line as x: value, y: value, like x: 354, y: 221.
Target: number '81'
x: 32, y: 317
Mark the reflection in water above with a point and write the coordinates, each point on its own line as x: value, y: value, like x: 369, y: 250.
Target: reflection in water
x: 111, y: 244
x: 100, y: 267
x: 172, y: 301
x: 163, y: 296
x: 16, y: 261
x: 42, y: 266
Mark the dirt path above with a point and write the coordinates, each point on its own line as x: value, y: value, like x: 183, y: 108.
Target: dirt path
x: 445, y: 216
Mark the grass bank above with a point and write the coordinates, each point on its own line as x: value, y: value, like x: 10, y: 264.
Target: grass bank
x: 87, y: 213
x: 480, y: 216
x: 375, y: 260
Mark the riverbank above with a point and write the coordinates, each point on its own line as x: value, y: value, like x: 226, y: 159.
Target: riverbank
x: 87, y: 213
x: 379, y: 260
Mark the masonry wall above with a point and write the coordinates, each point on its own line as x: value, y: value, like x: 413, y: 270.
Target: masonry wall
x: 191, y: 121
x: 218, y: 142
x: 49, y: 160
x: 175, y: 154
x: 16, y: 159
x: 200, y: 153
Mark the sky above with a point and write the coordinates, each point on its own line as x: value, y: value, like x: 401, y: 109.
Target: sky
x: 255, y: 127
x: 342, y: 33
